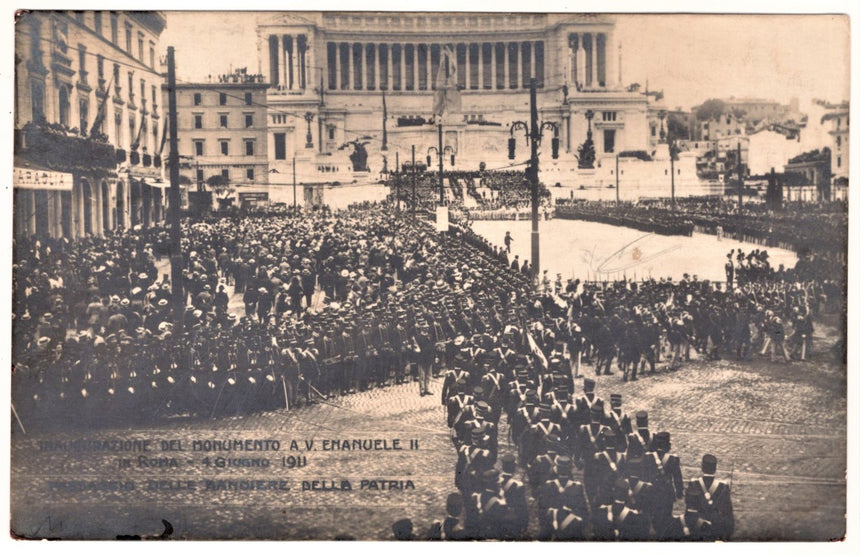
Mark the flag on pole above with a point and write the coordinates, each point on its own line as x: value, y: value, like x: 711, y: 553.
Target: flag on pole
x: 163, y: 137
x: 100, y: 114
x: 136, y: 142
x: 535, y: 349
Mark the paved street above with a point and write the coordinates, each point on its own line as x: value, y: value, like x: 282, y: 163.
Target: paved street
x: 778, y: 432
x: 594, y: 251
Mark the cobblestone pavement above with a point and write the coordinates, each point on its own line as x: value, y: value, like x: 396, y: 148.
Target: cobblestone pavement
x: 779, y: 432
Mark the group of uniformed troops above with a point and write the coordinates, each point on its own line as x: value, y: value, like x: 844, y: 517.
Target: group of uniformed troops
x: 123, y: 355
x: 576, y: 468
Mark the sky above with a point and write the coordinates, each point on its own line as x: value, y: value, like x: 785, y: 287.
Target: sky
x: 689, y: 57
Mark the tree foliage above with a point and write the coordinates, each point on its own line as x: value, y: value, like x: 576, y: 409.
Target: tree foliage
x: 711, y: 109
x: 220, y: 185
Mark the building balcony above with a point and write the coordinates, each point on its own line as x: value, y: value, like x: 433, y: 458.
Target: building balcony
x: 63, y: 149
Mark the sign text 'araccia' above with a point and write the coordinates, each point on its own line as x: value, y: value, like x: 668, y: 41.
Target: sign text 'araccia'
x: 27, y: 178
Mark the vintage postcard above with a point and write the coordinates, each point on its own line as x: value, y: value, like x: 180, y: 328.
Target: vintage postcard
x: 329, y: 275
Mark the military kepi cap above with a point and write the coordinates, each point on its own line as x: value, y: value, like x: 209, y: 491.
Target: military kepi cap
x: 709, y: 465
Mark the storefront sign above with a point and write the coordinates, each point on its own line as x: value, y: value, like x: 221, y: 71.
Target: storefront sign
x: 27, y: 178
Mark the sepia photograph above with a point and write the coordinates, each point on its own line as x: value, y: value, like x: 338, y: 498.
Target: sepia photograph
x: 429, y: 275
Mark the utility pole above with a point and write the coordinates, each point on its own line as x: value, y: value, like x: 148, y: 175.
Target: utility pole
x: 176, y: 259
x: 294, y: 184
x: 617, y: 182
x: 441, y: 186
x: 534, y: 133
x: 672, y: 169
x: 413, y: 182
x: 740, y: 180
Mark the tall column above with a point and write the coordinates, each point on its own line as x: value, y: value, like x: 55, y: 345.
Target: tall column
x: 292, y: 76
x: 520, y: 79
x: 493, y: 66
x: 467, y: 68
x: 307, y: 65
x: 402, y: 67
x: 280, y: 60
x: 532, y: 62
x: 429, y: 69
x: 609, y: 55
x: 565, y: 119
x: 415, y: 67
x: 390, y: 67
x: 376, y: 70
x: 480, y: 65
x: 349, y: 62
x: 593, y: 59
x: 363, y: 59
x: 507, y: 67
x: 338, y: 67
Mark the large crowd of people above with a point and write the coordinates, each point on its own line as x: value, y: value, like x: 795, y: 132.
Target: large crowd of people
x: 336, y: 302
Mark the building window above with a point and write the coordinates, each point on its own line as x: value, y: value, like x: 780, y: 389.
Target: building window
x: 198, y: 121
x: 65, y: 106
x: 838, y: 161
x: 198, y: 148
x: 140, y: 46
x: 223, y: 120
x: 152, y: 55
x: 116, y: 84
x: 249, y: 174
x: 225, y: 173
x: 82, y: 63
x: 222, y: 99
x: 280, y: 146
x: 100, y: 66
x: 653, y: 130
x: 225, y: 148
x: 37, y: 99
x: 249, y: 120
x: 198, y: 99
x: 114, y: 29
x: 838, y: 141
x: 128, y: 40
x: 83, y: 110
x: 248, y: 99
x: 97, y: 22
x: 249, y: 148
x: 609, y: 116
x: 608, y: 140
x: 117, y: 128
x: 331, y: 133
x: 199, y: 176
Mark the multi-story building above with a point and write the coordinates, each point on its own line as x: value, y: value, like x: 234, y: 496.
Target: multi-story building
x: 350, y: 88
x: 88, y: 118
x: 222, y: 130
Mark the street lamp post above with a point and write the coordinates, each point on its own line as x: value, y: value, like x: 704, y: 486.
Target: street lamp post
x: 439, y: 151
x: 534, y: 132
x: 309, y: 140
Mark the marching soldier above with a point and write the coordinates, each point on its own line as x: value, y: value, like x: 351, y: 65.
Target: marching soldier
x: 663, y: 470
x: 618, y: 421
x: 514, y: 493
x: 616, y: 520
x: 560, y: 492
x: 714, y: 503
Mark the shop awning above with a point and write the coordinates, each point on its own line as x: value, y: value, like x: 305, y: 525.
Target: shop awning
x: 156, y: 184
x: 29, y: 175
